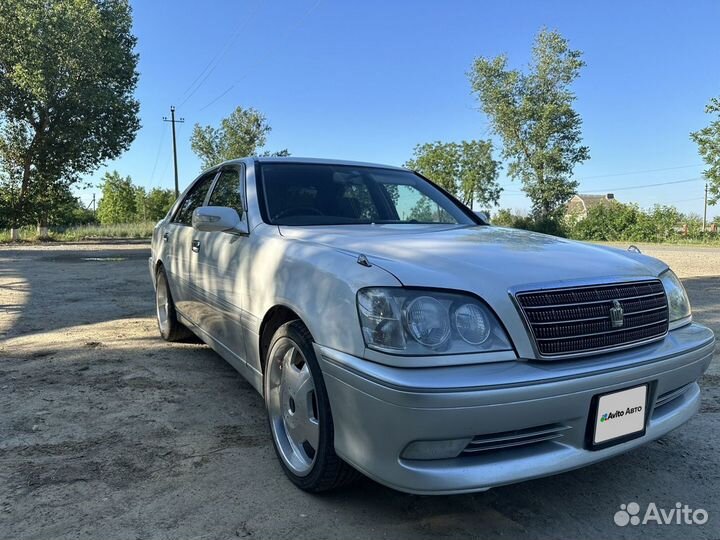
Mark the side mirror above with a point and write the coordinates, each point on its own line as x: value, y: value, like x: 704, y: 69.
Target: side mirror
x: 217, y: 219
x: 483, y: 216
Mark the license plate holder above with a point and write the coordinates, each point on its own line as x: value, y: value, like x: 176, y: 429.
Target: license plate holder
x: 618, y: 416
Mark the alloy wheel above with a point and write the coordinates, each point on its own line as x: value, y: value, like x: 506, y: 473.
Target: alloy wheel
x: 292, y: 406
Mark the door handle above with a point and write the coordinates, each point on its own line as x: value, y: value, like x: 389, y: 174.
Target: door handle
x: 196, y: 246
x: 166, y: 236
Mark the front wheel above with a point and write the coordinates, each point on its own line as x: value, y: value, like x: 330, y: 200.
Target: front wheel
x: 299, y: 412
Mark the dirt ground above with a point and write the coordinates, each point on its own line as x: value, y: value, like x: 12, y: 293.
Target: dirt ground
x: 108, y: 432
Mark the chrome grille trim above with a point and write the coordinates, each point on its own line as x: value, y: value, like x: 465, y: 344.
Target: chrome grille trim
x: 606, y: 317
x: 667, y: 397
x: 509, y: 439
x: 574, y: 321
x: 593, y: 301
x: 601, y: 332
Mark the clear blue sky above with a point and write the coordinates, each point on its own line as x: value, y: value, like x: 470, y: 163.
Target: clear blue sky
x: 369, y: 80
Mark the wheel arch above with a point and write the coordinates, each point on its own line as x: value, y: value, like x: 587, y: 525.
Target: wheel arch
x: 156, y: 267
x: 274, y: 318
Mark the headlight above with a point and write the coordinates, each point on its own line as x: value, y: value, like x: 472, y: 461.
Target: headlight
x: 419, y: 322
x: 472, y: 324
x: 678, y: 303
x: 427, y: 321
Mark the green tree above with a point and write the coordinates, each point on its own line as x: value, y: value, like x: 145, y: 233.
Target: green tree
x: 67, y: 77
x: 117, y: 204
x: 69, y: 210
x: 140, y: 203
x: 708, y: 141
x: 158, y: 202
x: 466, y: 169
x: 533, y: 115
x: 422, y: 211
x: 241, y: 134
x: 505, y: 217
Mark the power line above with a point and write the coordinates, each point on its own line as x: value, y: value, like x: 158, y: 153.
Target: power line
x: 157, y: 156
x: 215, y: 60
x: 640, y: 172
x: 208, y: 65
x: 218, y: 98
x: 689, y: 200
x: 300, y: 22
x: 643, y: 186
x: 625, y: 188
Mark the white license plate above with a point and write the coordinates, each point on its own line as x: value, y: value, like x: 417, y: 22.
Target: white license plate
x: 620, y: 415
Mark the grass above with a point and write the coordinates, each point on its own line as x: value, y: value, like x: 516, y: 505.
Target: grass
x: 86, y: 232
x: 689, y: 242
x: 144, y: 230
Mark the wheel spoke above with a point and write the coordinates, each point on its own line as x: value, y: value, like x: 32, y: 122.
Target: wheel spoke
x: 311, y: 432
x: 289, y: 356
x: 304, y: 383
x: 162, y: 300
x: 292, y: 379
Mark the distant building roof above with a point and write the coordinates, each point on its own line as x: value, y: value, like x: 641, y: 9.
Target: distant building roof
x: 579, y: 205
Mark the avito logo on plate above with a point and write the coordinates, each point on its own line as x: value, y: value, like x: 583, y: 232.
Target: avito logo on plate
x: 617, y: 414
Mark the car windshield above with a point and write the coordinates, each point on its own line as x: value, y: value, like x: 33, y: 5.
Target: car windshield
x: 329, y: 194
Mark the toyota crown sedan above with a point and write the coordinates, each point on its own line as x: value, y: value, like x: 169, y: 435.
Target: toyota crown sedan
x: 393, y: 332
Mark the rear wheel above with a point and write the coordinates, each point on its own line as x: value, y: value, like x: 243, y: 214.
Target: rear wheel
x: 170, y: 328
x: 299, y: 412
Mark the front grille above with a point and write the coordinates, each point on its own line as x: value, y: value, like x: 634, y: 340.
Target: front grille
x: 578, y: 320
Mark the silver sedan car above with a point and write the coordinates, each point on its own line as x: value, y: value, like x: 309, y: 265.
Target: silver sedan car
x: 393, y: 332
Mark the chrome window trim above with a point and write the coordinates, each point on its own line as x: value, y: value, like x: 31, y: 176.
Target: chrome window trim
x: 178, y: 203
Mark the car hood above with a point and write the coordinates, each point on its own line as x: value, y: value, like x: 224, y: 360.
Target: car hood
x: 478, y: 258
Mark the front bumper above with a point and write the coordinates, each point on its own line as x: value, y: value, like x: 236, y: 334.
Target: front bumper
x: 151, y: 269
x: 378, y: 410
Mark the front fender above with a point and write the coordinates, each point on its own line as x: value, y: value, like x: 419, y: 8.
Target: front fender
x: 319, y: 284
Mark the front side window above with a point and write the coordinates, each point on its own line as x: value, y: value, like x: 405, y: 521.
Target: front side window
x: 328, y: 194
x: 227, y: 190
x: 194, y: 199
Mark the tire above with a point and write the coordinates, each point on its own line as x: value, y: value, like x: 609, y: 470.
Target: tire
x: 170, y: 328
x: 299, y: 413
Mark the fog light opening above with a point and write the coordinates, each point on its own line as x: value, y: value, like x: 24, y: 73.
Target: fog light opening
x: 446, y: 449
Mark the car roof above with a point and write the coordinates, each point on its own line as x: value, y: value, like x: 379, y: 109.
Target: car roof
x: 319, y: 161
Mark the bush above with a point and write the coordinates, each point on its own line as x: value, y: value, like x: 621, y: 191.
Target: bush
x: 616, y: 222
x: 506, y: 218
x: 628, y: 222
x: 608, y: 222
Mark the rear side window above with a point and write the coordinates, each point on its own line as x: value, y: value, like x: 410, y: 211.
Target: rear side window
x: 227, y: 190
x: 194, y: 199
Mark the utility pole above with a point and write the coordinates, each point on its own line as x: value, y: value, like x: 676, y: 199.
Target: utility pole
x: 705, y: 210
x: 91, y: 203
x: 174, y: 121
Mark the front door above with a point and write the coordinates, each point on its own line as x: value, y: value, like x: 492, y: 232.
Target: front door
x: 221, y: 259
x: 182, y: 263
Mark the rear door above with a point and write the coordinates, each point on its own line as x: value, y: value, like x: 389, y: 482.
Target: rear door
x: 181, y: 262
